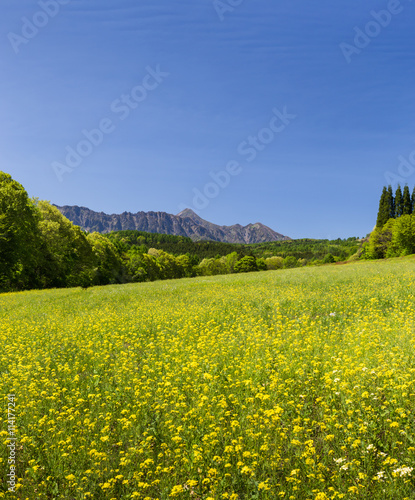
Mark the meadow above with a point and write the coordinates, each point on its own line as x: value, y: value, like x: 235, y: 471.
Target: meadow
x: 291, y: 384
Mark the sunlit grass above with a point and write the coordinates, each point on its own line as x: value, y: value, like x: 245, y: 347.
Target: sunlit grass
x: 294, y: 384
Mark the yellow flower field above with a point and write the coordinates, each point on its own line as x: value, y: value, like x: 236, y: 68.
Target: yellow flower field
x: 296, y: 384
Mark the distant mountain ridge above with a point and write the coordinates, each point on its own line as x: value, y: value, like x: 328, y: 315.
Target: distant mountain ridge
x: 186, y: 223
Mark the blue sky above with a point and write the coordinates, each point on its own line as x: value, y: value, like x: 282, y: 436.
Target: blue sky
x: 307, y: 130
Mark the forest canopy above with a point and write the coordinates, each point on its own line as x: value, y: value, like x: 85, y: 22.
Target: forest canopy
x: 40, y: 248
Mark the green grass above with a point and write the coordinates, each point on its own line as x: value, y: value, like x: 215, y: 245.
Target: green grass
x: 295, y: 384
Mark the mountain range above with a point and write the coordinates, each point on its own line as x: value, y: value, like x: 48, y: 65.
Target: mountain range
x: 186, y: 223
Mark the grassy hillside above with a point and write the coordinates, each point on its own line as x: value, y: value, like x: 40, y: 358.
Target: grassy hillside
x: 294, y: 384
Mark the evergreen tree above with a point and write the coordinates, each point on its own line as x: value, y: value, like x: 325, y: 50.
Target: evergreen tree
x: 413, y: 200
x: 398, y: 202
x: 391, y: 201
x: 407, y: 203
x: 383, y: 213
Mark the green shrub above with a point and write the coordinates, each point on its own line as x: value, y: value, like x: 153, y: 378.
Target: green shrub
x: 290, y: 262
x: 246, y: 265
x: 328, y: 259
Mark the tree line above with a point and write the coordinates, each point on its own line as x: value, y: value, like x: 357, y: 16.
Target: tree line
x: 310, y: 250
x: 393, y: 206
x: 394, y: 233
x: 176, y: 245
x: 40, y: 248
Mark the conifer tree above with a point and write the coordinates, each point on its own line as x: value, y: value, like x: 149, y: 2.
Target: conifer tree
x: 391, y: 200
x: 413, y: 200
x: 398, y: 202
x: 383, y: 213
x: 407, y: 203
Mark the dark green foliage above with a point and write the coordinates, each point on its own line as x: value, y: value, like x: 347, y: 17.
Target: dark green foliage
x: 380, y: 240
x: 391, y: 207
x: 290, y: 262
x: 246, y: 265
x: 384, y: 212
x: 40, y: 248
x: 133, y: 242
x: 308, y: 249
x: 168, y: 265
x: 18, y: 236
x: 176, y: 245
x: 261, y: 264
x: 67, y: 256
x: 186, y: 263
x: 390, y: 201
x: 328, y: 259
x: 396, y: 236
x: 394, y: 239
x: 407, y: 203
x: 398, y: 202
x: 108, y: 263
x: 230, y: 262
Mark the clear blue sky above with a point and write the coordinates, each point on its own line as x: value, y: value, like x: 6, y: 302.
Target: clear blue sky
x: 308, y: 127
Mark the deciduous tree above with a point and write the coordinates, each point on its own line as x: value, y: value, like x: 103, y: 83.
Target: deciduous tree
x: 19, y: 240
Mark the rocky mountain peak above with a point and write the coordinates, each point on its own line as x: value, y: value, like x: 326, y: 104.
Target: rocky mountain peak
x: 186, y: 223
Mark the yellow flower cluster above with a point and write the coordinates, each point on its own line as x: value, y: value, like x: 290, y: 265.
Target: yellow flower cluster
x: 296, y: 384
